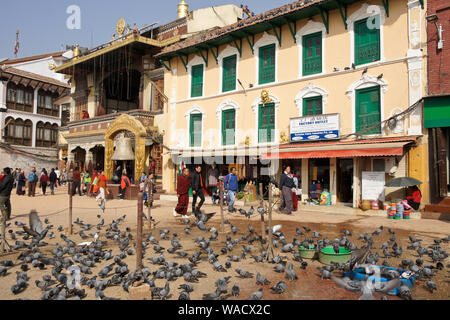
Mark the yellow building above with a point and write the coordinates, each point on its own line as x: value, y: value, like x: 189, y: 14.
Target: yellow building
x: 331, y: 88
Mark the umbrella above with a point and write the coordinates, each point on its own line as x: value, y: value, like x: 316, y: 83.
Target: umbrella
x: 403, y: 182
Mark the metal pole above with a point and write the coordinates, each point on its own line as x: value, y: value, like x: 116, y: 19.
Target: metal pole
x: 139, y: 231
x: 70, y: 208
x: 270, y: 253
x: 222, y: 224
x: 261, y: 204
x: 149, y: 201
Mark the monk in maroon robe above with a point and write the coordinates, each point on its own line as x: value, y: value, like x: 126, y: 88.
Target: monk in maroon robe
x: 183, y: 185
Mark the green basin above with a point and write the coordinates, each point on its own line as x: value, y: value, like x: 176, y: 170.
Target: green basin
x: 327, y: 255
x: 307, y: 253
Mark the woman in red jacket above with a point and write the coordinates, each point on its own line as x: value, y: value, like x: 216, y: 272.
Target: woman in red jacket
x: 124, y: 184
x: 44, y: 181
x: 415, y: 198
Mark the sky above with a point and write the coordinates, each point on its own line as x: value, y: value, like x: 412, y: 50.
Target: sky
x: 43, y: 24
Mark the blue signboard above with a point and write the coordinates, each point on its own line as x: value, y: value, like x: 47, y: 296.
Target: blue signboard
x: 314, y: 128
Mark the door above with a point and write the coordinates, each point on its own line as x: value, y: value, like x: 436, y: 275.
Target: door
x: 345, y: 180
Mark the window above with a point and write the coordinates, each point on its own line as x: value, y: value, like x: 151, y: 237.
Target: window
x: 18, y: 132
x: 229, y: 74
x: 19, y: 97
x: 267, y: 64
x: 266, y: 121
x: 195, y: 130
x: 45, y: 104
x: 228, y: 127
x: 46, y: 135
x: 312, y: 106
x: 80, y: 108
x: 368, y: 110
x: 312, y: 53
x: 367, y: 42
x: 197, y: 81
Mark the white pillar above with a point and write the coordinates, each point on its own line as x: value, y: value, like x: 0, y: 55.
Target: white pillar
x: 3, y: 88
x: 333, y: 180
x: 356, y: 182
x: 35, y: 100
x: 33, y: 134
x: 305, y: 180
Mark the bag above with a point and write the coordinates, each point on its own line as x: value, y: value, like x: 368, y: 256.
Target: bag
x: 32, y: 177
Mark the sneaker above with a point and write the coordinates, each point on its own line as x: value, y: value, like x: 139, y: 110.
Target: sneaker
x: 175, y: 214
x: 185, y: 217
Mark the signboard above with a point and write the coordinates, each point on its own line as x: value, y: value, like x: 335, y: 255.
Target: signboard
x: 313, y: 128
x: 373, y: 185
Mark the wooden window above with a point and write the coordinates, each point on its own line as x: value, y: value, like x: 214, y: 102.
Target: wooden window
x: 157, y: 151
x: 157, y: 98
x: 312, y: 106
x: 195, y: 130
x: 46, y: 135
x: 312, y: 53
x: 45, y: 104
x: 266, y: 122
x: 367, y: 42
x: 18, y: 132
x: 267, y: 64
x: 80, y: 107
x: 228, y: 127
x: 19, y: 97
x: 197, y: 81
x: 368, y: 111
x: 229, y: 74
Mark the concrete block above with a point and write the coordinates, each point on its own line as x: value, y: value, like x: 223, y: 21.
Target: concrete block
x: 139, y: 293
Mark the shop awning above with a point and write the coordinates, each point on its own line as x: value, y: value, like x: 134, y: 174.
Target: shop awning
x: 248, y: 152
x: 341, y: 149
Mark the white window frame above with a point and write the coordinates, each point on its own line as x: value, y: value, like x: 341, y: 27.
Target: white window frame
x: 363, y: 12
x: 310, y: 28
x: 265, y: 40
x: 197, y: 60
x: 310, y: 91
x: 228, y: 105
x: 367, y: 81
x: 228, y: 52
x: 255, y: 109
x: 194, y: 110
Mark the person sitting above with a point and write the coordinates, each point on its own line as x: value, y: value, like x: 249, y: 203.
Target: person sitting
x: 415, y: 198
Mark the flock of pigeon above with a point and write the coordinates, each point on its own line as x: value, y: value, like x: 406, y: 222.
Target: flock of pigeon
x: 69, y: 265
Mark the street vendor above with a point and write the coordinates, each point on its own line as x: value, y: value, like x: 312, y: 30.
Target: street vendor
x: 415, y: 198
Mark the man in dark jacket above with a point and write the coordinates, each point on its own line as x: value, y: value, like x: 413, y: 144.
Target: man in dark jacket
x: 53, y: 178
x: 5, y: 192
x: 197, y: 189
x: 286, y: 185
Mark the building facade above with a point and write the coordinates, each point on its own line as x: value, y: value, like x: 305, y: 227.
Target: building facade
x: 234, y: 91
x: 31, y: 99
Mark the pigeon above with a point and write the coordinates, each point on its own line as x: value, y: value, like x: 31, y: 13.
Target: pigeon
x: 261, y: 280
x: 347, y: 284
x: 243, y: 273
x: 187, y: 287
x: 280, y: 267
x: 325, y: 274
x: 184, y: 296
x: 378, y: 231
x: 257, y: 295
x: 235, y: 290
x: 405, y: 292
x: 290, y: 273
x: 431, y: 286
x: 279, y: 288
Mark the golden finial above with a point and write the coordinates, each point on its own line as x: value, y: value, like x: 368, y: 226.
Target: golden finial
x: 76, y: 51
x: 120, y: 27
x: 247, y: 140
x: 183, y: 9
x: 265, y: 97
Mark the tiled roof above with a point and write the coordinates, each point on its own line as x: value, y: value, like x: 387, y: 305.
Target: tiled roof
x: 32, y: 58
x: 32, y: 76
x: 242, y: 24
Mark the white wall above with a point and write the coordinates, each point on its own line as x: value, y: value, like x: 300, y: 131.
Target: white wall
x: 217, y: 16
x: 41, y: 67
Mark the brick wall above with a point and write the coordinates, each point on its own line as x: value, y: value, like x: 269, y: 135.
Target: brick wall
x: 439, y: 60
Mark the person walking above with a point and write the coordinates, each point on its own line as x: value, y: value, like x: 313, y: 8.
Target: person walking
x: 53, y: 178
x: 286, y: 185
x: 21, y: 181
x: 32, y: 181
x: 102, y: 190
x: 124, y: 184
x: 197, y: 189
x: 231, y: 187
x: 183, y: 185
x: 44, y: 181
x: 294, y: 193
x: 86, y: 182
x: 5, y: 193
x: 76, y: 181
x: 58, y: 176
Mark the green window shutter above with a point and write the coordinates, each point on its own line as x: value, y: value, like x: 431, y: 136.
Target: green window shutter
x: 197, y: 81
x: 312, y: 106
x: 228, y: 127
x: 229, y: 74
x: 195, y: 130
x: 266, y: 122
x: 312, y: 53
x: 367, y: 42
x: 267, y: 64
x: 368, y: 110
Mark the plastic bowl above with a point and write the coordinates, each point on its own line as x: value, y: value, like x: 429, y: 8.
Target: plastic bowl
x: 359, y: 274
x: 308, y: 253
x: 327, y: 255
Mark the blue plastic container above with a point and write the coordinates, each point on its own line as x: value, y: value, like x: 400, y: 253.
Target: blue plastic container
x: 358, y: 274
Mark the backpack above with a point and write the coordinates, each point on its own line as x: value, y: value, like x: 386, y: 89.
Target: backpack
x: 32, y: 177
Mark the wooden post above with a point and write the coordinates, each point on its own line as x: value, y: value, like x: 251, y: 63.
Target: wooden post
x: 3, y: 239
x: 149, y: 200
x: 139, y: 231
x: 261, y: 204
x: 222, y: 224
x: 70, y: 207
x: 270, y: 253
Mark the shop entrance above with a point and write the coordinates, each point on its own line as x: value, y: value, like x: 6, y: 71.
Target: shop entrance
x: 345, y: 181
x: 319, y: 177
